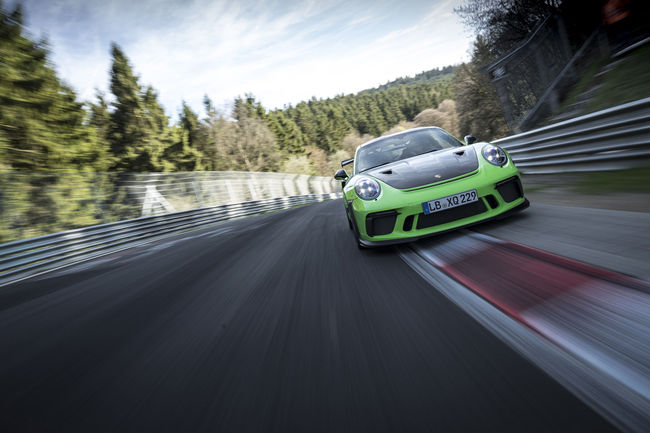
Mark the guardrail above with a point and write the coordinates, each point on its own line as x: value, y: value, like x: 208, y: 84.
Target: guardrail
x: 37, y: 203
x: 611, y: 139
x: 23, y: 258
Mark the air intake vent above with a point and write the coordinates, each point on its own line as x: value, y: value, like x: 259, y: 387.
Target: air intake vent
x: 408, y: 223
x: 492, y: 201
x: 510, y: 189
x: 381, y: 223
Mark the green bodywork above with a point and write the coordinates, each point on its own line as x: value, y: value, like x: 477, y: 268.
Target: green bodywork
x: 409, y: 201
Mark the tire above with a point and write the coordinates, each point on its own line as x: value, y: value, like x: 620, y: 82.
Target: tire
x: 354, y: 233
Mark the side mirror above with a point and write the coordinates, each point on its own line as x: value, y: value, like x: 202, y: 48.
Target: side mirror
x: 341, y: 175
x: 469, y: 139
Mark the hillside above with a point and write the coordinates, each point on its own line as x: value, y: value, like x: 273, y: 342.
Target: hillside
x: 431, y: 76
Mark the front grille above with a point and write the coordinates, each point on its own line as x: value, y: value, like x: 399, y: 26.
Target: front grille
x: 510, y: 189
x: 449, y: 215
x: 380, y: 223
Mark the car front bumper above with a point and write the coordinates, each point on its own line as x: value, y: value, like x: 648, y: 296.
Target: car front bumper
x: 372, y: 244
x: 378, y: 223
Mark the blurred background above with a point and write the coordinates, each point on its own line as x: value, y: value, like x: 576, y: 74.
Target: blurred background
x: 69, y: 161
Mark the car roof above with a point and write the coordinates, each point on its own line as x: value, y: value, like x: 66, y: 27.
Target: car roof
x: 397, y: 134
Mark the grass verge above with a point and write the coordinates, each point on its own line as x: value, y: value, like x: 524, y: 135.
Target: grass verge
x: 632, y: 180
x: 626, y: 82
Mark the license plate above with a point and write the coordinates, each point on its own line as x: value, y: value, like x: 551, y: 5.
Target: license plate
x: 450, y: 201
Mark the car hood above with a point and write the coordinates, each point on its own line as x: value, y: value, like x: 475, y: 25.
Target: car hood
x: 427, y: 168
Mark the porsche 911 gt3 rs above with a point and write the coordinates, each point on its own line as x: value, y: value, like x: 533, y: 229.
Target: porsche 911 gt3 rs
x: 424, y: 181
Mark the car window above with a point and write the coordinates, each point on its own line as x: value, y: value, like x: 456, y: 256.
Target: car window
x: 397, y: 147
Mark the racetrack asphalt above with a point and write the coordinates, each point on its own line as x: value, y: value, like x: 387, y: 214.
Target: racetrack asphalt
x: 273, y: 323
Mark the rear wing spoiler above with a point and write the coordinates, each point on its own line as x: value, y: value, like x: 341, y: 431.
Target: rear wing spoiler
x: 346, y: 162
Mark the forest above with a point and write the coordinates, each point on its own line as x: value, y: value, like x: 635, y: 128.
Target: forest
x: 44, y: 127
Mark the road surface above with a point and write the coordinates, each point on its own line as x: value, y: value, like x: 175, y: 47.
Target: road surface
x: 275, y: 323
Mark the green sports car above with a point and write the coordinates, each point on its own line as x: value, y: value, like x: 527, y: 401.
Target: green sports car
x: 425, y: 181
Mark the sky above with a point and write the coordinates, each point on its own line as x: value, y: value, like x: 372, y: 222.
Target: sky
x: 283, y: 52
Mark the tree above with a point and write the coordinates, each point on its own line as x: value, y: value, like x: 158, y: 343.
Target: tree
x: 480, y: 112
x: 184, y: 154
x: 253, y: 144
x: 42, y: 126
x: 100, y: 118
x: 287, y: 133
x: 139, y: 131
x: 46, y: 141
x: 445, y: 117
x: 504, y: 23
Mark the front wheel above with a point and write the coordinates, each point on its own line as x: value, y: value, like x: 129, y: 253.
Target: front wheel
x: 355, y: 232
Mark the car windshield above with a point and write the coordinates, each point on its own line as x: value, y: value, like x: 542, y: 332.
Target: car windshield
x: 402, y: 146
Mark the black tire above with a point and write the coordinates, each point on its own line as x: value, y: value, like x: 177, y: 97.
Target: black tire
x: 353, y: 227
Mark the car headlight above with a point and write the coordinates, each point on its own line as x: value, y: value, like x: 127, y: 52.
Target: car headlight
x: 367, y: 189
x: 494, y: 155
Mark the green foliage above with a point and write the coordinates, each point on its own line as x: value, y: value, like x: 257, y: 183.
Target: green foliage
x: 323, y: 123
x: 630, y: 180
x: 139, y: 130
x: 286, y: 131
x: 46, y: 137
x: 185, y: 154
x: 42, y: 126
x: 430, y: 76
x: 626, y: 82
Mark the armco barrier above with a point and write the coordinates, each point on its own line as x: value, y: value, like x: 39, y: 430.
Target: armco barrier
x: 23, y: 258
x: 37, y: 203
x: 610, y: 139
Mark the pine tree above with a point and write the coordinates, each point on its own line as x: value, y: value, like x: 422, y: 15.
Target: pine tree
x: 42, y: 127
x: 45, y: 136
x: 184, y: 154
x: 287, y: 133
x: 139, y: 131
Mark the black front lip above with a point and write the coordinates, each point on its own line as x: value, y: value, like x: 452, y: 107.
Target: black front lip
x: 374, y: 244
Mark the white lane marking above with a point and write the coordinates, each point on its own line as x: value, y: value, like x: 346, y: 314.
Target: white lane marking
x: 621, y: 405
